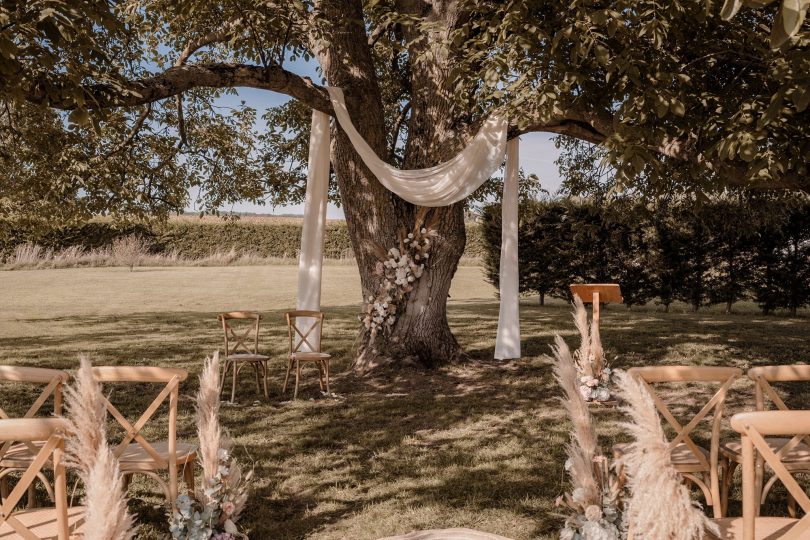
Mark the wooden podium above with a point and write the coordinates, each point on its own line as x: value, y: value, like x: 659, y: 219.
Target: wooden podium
x: 596, y: 293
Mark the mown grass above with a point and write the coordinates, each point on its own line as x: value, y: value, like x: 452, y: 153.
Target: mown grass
x: 479, y: 444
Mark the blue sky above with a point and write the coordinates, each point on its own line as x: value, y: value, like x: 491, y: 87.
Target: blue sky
x: 537, y: 151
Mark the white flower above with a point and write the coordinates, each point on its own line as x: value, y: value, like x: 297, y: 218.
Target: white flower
x: 593, y: 530
x: 593, y: 513
x: 607, y: 371
x: 423, y: 231
x: 410, y: 235
x: 394, y: 252
x: 585, y: 378
x: 578, y: 495
x: 567, y: 534
x: 585, y: 391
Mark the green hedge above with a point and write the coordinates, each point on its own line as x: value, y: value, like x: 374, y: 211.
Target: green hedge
x: 197, y: 239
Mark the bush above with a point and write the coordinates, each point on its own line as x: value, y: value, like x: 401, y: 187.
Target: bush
x: 716, y: 252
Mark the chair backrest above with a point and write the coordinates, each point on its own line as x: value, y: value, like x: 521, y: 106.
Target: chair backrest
x: 170, y: 378
x: 724, y: 377
x: 304, y: 329
x: 240, y: 337
x: 52, y: 379
x: 51, y: 431
x: 763, y: 377
x: 754, y: 427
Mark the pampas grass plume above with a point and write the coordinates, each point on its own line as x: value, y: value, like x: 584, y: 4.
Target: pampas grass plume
x: 106, y: 515
x: 660, y: 507
x: 583, y: 447
x: 212, y: 438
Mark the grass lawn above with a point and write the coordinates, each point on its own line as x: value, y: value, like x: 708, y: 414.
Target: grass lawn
x: 478, y: 445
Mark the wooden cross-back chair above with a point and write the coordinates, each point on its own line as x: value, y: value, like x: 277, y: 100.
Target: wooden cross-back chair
x: 58, y: 522
x: 695, y: 463
x: 18, y: 455
x: 793, y: 451
x: 134, y: 452
x: 754, y: 429
x: 242, y: 348
x: 305, y: 329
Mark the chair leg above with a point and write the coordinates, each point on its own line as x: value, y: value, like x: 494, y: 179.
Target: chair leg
x: 258, y: 383
x: 286, y: 377
x: 320, y: 375
x: 297, y: 377
x: 233, y: 385
x: 188, y: 476
x: 326, y: 368
x: 32, y: 496
x: 4, y: 491
x: 264, y: 371
x: 224, y: 376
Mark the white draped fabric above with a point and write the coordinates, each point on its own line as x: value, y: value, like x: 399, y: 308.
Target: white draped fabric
x: 310, y: 260
x: 507, y: 343
x: 441, y: 185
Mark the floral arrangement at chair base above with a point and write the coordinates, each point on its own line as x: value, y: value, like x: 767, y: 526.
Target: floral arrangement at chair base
x: 593, y: 374
x: 597, y: 495
x: 212, y: 512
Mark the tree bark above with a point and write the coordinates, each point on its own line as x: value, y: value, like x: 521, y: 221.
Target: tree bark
x: 377, y: 218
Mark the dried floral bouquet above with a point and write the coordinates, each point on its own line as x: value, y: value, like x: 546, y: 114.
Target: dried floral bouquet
x: 213, y: 511
x: 597, y: 494
x: 594, y: 375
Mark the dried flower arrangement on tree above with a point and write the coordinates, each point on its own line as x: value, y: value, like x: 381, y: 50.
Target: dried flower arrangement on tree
x: 213, y: 511
x: 398, y: 269
x: 596, y: 498
x: 592, y: 370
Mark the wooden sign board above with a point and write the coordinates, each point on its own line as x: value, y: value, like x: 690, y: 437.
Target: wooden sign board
x: 609, y: 293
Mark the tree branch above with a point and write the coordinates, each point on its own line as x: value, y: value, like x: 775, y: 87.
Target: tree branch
x: 178, y: 79
x: 589, y: 127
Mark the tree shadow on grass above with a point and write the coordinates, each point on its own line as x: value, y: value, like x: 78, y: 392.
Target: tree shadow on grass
x: 479, y: 444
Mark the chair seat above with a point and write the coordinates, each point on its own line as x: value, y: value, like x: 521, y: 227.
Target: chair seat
x: 766, y: 528
x: 683, y: 458
x: 42, y: 522
x: 19, y: 456
x: 799, y: 454
x: 310, y: 356
x: 447, y: 534
x: 135, y: 458
x: 247, y: 357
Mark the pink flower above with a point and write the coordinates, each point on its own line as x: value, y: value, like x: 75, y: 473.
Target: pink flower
x: 228, y: 508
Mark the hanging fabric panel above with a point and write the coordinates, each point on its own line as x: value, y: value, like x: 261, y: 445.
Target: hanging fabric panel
x: 442, y: 185
x: 310, y: 259
x: 507, y: 343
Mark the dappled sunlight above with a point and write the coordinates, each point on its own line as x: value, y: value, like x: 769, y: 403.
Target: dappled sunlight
x: 478, y: 444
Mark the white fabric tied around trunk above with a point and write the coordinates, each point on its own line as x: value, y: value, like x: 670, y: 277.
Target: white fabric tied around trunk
x: 310, y: 260
x: 507, y: 344
x: 441, y: 185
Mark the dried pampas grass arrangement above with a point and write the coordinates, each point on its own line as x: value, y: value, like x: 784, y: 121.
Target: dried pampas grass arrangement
x: 596, y: 496
x: 106, y: 515
x: 216, y: 506
x: 652, y: 479
x: 594, y: 373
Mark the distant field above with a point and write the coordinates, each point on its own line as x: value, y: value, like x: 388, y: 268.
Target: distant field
x: 477, y: 445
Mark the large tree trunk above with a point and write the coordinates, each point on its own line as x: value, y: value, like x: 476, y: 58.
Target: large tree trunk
x: 377, y: 218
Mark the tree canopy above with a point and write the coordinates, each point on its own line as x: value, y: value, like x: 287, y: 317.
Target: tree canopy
x: 138, y: 83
